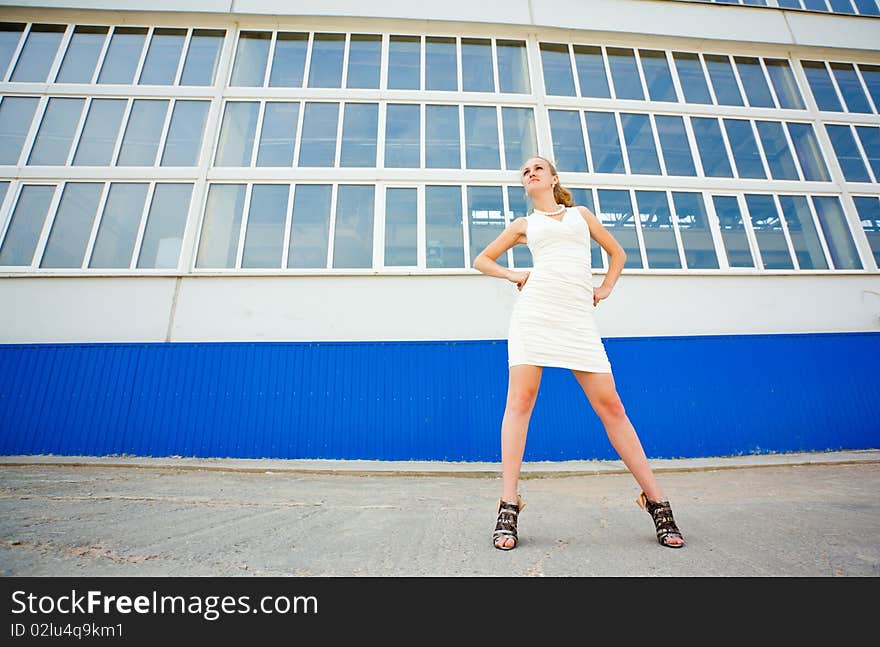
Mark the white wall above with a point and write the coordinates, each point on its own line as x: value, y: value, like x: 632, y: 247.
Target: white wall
x: 368, y: 307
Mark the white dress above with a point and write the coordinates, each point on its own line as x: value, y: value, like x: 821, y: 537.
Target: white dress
x: 552, y: 323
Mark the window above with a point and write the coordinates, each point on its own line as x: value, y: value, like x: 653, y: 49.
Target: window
x: 733, y: 231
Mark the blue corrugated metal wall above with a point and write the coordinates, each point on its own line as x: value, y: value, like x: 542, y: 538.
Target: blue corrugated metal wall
x: 444, y: 400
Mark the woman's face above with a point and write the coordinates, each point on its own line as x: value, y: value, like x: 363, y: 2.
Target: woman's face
x: 536, y: 176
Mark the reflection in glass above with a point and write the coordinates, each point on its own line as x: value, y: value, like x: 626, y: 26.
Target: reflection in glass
x: 850, y: 87
x: 310, y: 226
x: 640, y: 147
x: 289, y: 59
x: 696, y: 236
x: 710, y: 144
x: 72, y: 225
x: 776, y: 150
x: 867, y: 7
x: 754, y: 82
x: 202, y: 56
x: 441, y: 62
x: 251, y: 56
x: 657, y: 230
x: 868, y: 208
x: 513, y: 67
x: 401, y: 227
x: 821, y: 85
x: 808, y: 152
x: 98, y: 139
x: 4, y: 186
x: 604, y: 142
x: 485, y: 219
x: 141, y: 140
x: 616, y: 214
x: 443, y: 223
x: 568, y: 141
x: 744, y: 148
x: 624, y: 73
x: 442, y: 149
x: 843, y: 250
x: 221, y: 227
x: 841, y: 6
x: 517, y: 208
x: 10, y: 34
x: 165, y: 226
x: 584, y: 198
x: 784, y: 83
x: 123, y: 55
x: 359, y: 132
x: 353, y: 231
x: 723, y: 80
x: 657, y: 75
x: 768, y: 232
x: 871, y: 76
x: 733, y: 231
x: 402, y: 127
x: 675, y: 146
x: 237, y: 132
x: 16, y: 114
x: 591, y: 71
x: 802, y: 230
x: 264, y: 233
x: 318, y: 143
x: 404, y: 63
x: 481, y: 137
x: 556, y: 64
x: 38, y: 53
x: 851, y: 162
x: 82, y: 54
x: 520, y: 141
x: 56, y: 132
x: 476, y: 65
x: 870, y: 138
x: 119, y: 226
x: 184, y: 141
x: 364, y: 55
x: 690, y: 74
x: 163, y: 57
x: 278, y: 134
x: 23, y: 232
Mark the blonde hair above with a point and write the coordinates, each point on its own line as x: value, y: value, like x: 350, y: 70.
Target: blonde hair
x: 562, y: 195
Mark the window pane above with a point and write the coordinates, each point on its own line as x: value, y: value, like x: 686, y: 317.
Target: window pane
x: 624, y: 73
x: 401, y: 227
x: 837, y: 234
x: 443, y: 221
x: 264, y: 234
x: 10, y: 34
x: 657, y: 230
x: 353, y: 233
x: 82, y: 55
x: 485, y: 219
x: 141, y: 140
x: 404, y: 63
x: 870, y: 138
x: 221, y: 227
x: 871, y: 75
x: 56, y: 132
x: 568, y: 140
x: 24, y: 229
x: 184, y: 141
x: 250, y: 58
x: 723, y: 80
x: 359, y: 130
x: 513, y: 69
x: 476, y: 65
x: 123, y: 55
x: 808, y: 152
x: 441, y: 71
x: 402, y: 127
x: 517, y: 207
x: 815, y: 5
x: 38, y: 53
x: 442, y: 148
x: 72, y: 226
x: 658, y: 77
x: 733, y: 232
x: 841, y: 6
x: 690, y: 74
x: 869, y: 214
x: 278, y: 135
x: 674, y: 143
x: 237, y: 133
x: 165, y: 225
x: 821, y: 85
x: 696, y: 236
x: 481, y: 137
x: 851, y: 162
x: 120, y: 221
x: 640, y: 147
x: 850, y: 88
x: 584, y: 197
x: 556, y: 64
x: 744, y: 148
x: 776, y: 149
x: 318, y: 142
x: 784, y: 83
x: 202, y: 56
x: 163, y: 57
x: 520, y: 141
x: 867, y: 7
x: 768, y: 232
x: 616, y: 214
x: 803, y: 234
x: 790, y: 4
x: 289, y: 61
x: 604, y: 142
x: 364, y: 54
x: 16, y: 114
x: 310, y: 226
x: 4, y: 186
x: 591, y: 71
x: 754, y: 82
x: 711, y: 146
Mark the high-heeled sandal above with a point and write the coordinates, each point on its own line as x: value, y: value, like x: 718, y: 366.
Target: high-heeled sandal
x: 505, y: 527
x: 661, y: 513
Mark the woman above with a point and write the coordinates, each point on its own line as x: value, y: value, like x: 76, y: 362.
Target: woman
x: 552, y: 324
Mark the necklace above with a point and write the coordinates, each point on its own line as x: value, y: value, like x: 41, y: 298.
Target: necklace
x: 550, y: 213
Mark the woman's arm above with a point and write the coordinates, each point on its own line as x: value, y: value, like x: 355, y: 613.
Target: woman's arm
x: 513, y: 234
x: 616, y: 253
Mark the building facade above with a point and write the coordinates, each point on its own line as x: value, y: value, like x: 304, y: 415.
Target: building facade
x: 247, y: 229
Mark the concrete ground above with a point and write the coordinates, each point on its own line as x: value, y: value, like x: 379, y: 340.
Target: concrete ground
x: 769, y: 515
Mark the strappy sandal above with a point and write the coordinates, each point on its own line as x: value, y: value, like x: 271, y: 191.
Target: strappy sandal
x: 505, y: 527
x: 661, y: 512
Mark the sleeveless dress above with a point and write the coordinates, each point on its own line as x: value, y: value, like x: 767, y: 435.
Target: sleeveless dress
x: 552, y: 322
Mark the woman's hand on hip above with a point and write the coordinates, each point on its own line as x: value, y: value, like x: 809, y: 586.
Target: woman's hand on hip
x: 519, y: 278
x: 600, y: 293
